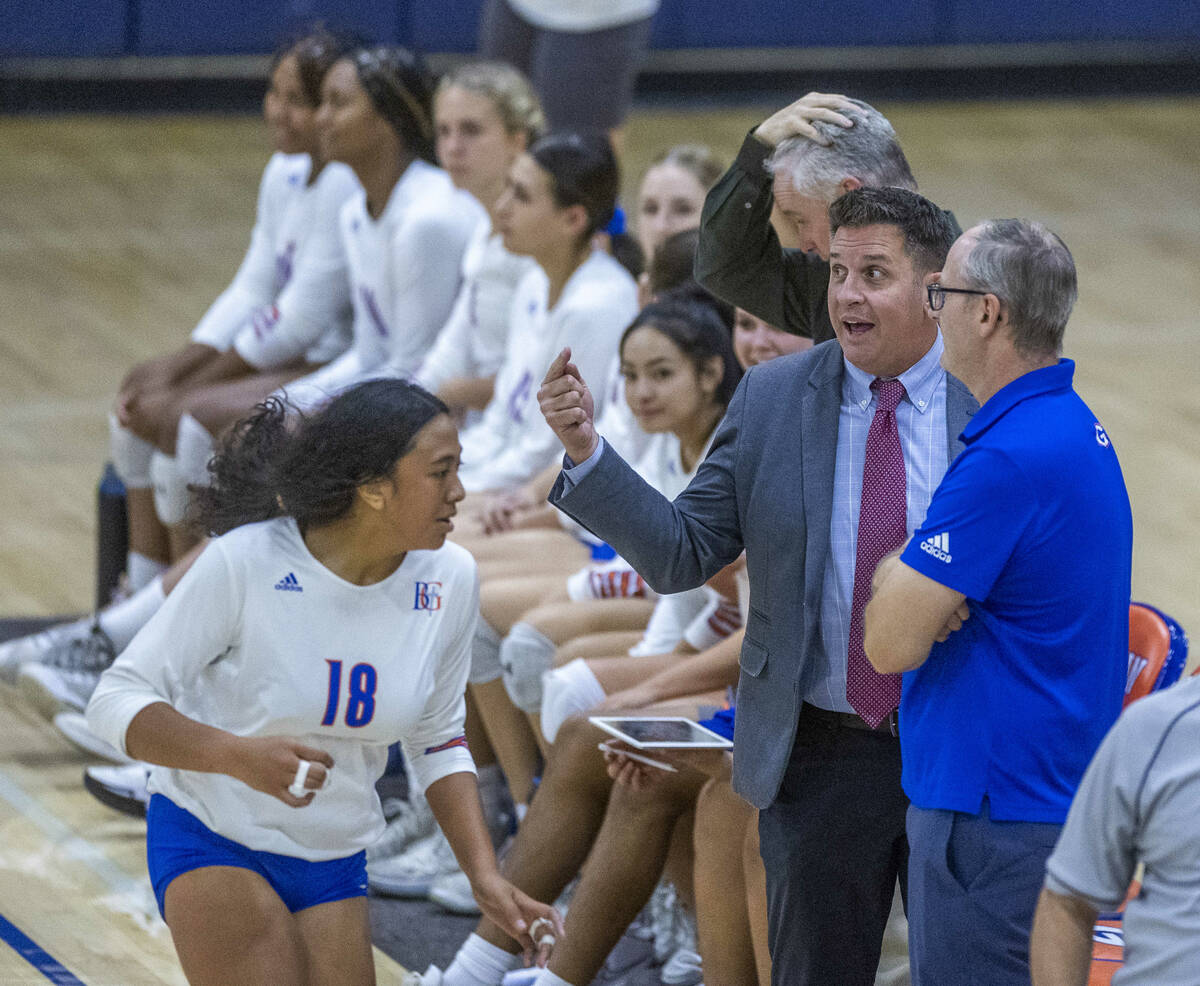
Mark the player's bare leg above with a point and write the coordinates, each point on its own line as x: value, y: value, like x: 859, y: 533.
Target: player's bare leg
x: 230, y: 928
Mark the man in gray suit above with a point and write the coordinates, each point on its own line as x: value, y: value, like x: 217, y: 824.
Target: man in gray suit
x: 870, y: 418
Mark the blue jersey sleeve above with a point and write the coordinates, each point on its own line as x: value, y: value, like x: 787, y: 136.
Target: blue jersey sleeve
x: 976, y: 519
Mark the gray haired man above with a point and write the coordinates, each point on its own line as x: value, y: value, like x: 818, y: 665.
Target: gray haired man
x: 799, y: 159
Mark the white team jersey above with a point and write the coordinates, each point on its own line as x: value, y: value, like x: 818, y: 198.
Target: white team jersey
x: 260, y: 639
x: 290, y: 297
x: 405, y: 271
x: 512, y: 442
x: 472, y: 342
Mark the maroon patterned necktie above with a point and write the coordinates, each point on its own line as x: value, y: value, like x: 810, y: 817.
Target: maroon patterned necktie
x: 881, y: 530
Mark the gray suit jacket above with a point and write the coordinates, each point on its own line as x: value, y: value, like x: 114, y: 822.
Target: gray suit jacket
x: 766, y: 486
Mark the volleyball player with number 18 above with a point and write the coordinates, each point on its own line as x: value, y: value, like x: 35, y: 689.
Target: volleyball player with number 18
x: 328, y: 620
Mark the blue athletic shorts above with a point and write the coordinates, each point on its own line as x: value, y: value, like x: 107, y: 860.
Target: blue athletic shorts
x: 178, y: 842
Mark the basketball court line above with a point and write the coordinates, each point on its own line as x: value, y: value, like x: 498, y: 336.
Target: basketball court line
x: 35, y: 955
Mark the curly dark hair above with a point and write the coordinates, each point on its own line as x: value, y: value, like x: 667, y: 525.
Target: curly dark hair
x: 278, y: 461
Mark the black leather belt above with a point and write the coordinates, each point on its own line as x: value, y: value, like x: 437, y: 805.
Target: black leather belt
x: 851, y: 720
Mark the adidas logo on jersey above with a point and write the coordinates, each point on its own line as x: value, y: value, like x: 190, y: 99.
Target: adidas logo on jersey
x: 289, y: 583
x: 938, y: 546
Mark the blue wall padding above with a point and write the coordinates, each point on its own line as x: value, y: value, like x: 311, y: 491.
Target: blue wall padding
x: 223, y: 27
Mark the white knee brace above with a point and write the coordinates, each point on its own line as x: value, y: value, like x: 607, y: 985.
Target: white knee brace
x: 171, y: 496
x: 130, y: 455
x: 524, y: 655
x: 485, y: 654
x: 194, y: 448
x: 567, y: 691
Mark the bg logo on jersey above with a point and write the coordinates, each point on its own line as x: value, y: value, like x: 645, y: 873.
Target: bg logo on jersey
x: 428, y: 596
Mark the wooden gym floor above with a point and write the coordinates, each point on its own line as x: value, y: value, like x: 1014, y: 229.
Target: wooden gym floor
x: 116, y: 233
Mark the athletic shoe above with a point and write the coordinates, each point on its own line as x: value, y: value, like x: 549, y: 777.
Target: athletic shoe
x: 682, y: 969
x: 520, y: 977
x: 410, y: 874
x: 122, y: 788
x: 410, y: 821
x: 36, y: 646
x: 431, y: 977
x: 65, y: 676
x: 662, y: 920
x: 74, y: 726
x: 452, y: 892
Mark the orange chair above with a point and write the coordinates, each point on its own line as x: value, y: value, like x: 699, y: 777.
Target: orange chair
x: 1158, y: 650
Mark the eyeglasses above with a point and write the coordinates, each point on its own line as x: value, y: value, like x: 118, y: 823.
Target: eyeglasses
x: 937, y: 295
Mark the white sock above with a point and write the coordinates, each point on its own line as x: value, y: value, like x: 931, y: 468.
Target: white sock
x: 479, y: 963
x: 142, y: 570
x: 548, y: 978
x: 121, y: 621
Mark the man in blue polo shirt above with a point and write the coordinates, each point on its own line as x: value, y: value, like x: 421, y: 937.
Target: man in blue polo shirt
x: 1008, y: 608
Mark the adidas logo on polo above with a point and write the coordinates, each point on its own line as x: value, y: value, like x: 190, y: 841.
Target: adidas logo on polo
x: 938, y: 546
x: 289, y: 583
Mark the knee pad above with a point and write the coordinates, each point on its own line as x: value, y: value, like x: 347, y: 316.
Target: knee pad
x: 568, y: 691
x: 525, y: 655
x: 485, y: 654
x: 130, y: 455
x: 171, y: 496
x: 194, y: 448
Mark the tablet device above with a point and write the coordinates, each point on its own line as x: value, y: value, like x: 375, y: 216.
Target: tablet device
x: 647, y: 732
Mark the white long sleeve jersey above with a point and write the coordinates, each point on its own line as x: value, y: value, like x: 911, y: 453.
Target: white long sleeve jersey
x: 260, y: 639
x: 512, y: 442
x: 472, y: 342
x: 405, y: 272
x: 290, y: 297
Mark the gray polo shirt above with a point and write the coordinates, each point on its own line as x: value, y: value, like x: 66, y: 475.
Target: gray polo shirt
x: 1140, y: 802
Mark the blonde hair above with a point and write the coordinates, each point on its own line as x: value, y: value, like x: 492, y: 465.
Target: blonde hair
x: 509, y: 90
x: 699, y: 160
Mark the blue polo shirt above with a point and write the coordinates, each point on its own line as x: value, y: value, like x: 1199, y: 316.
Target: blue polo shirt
x: 1032, y: 523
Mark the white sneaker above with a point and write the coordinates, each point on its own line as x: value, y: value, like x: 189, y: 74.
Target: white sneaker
x: 662, y: 920
x: 410, y: 821
x: 452, y: 892
x: 63, y: 677
x: 521, y: 977
x: 411, y: 873
x: 122, y: 788
x: 34, y: 647
x: 682, y: 969
x: 74, y: 726
x: 431, y: 977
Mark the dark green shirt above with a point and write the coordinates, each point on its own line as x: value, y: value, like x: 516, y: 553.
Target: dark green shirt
x: 741, y: 260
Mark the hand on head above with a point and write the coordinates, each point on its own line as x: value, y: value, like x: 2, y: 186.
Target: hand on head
x: 797, y: 119
x: 568, y: 407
